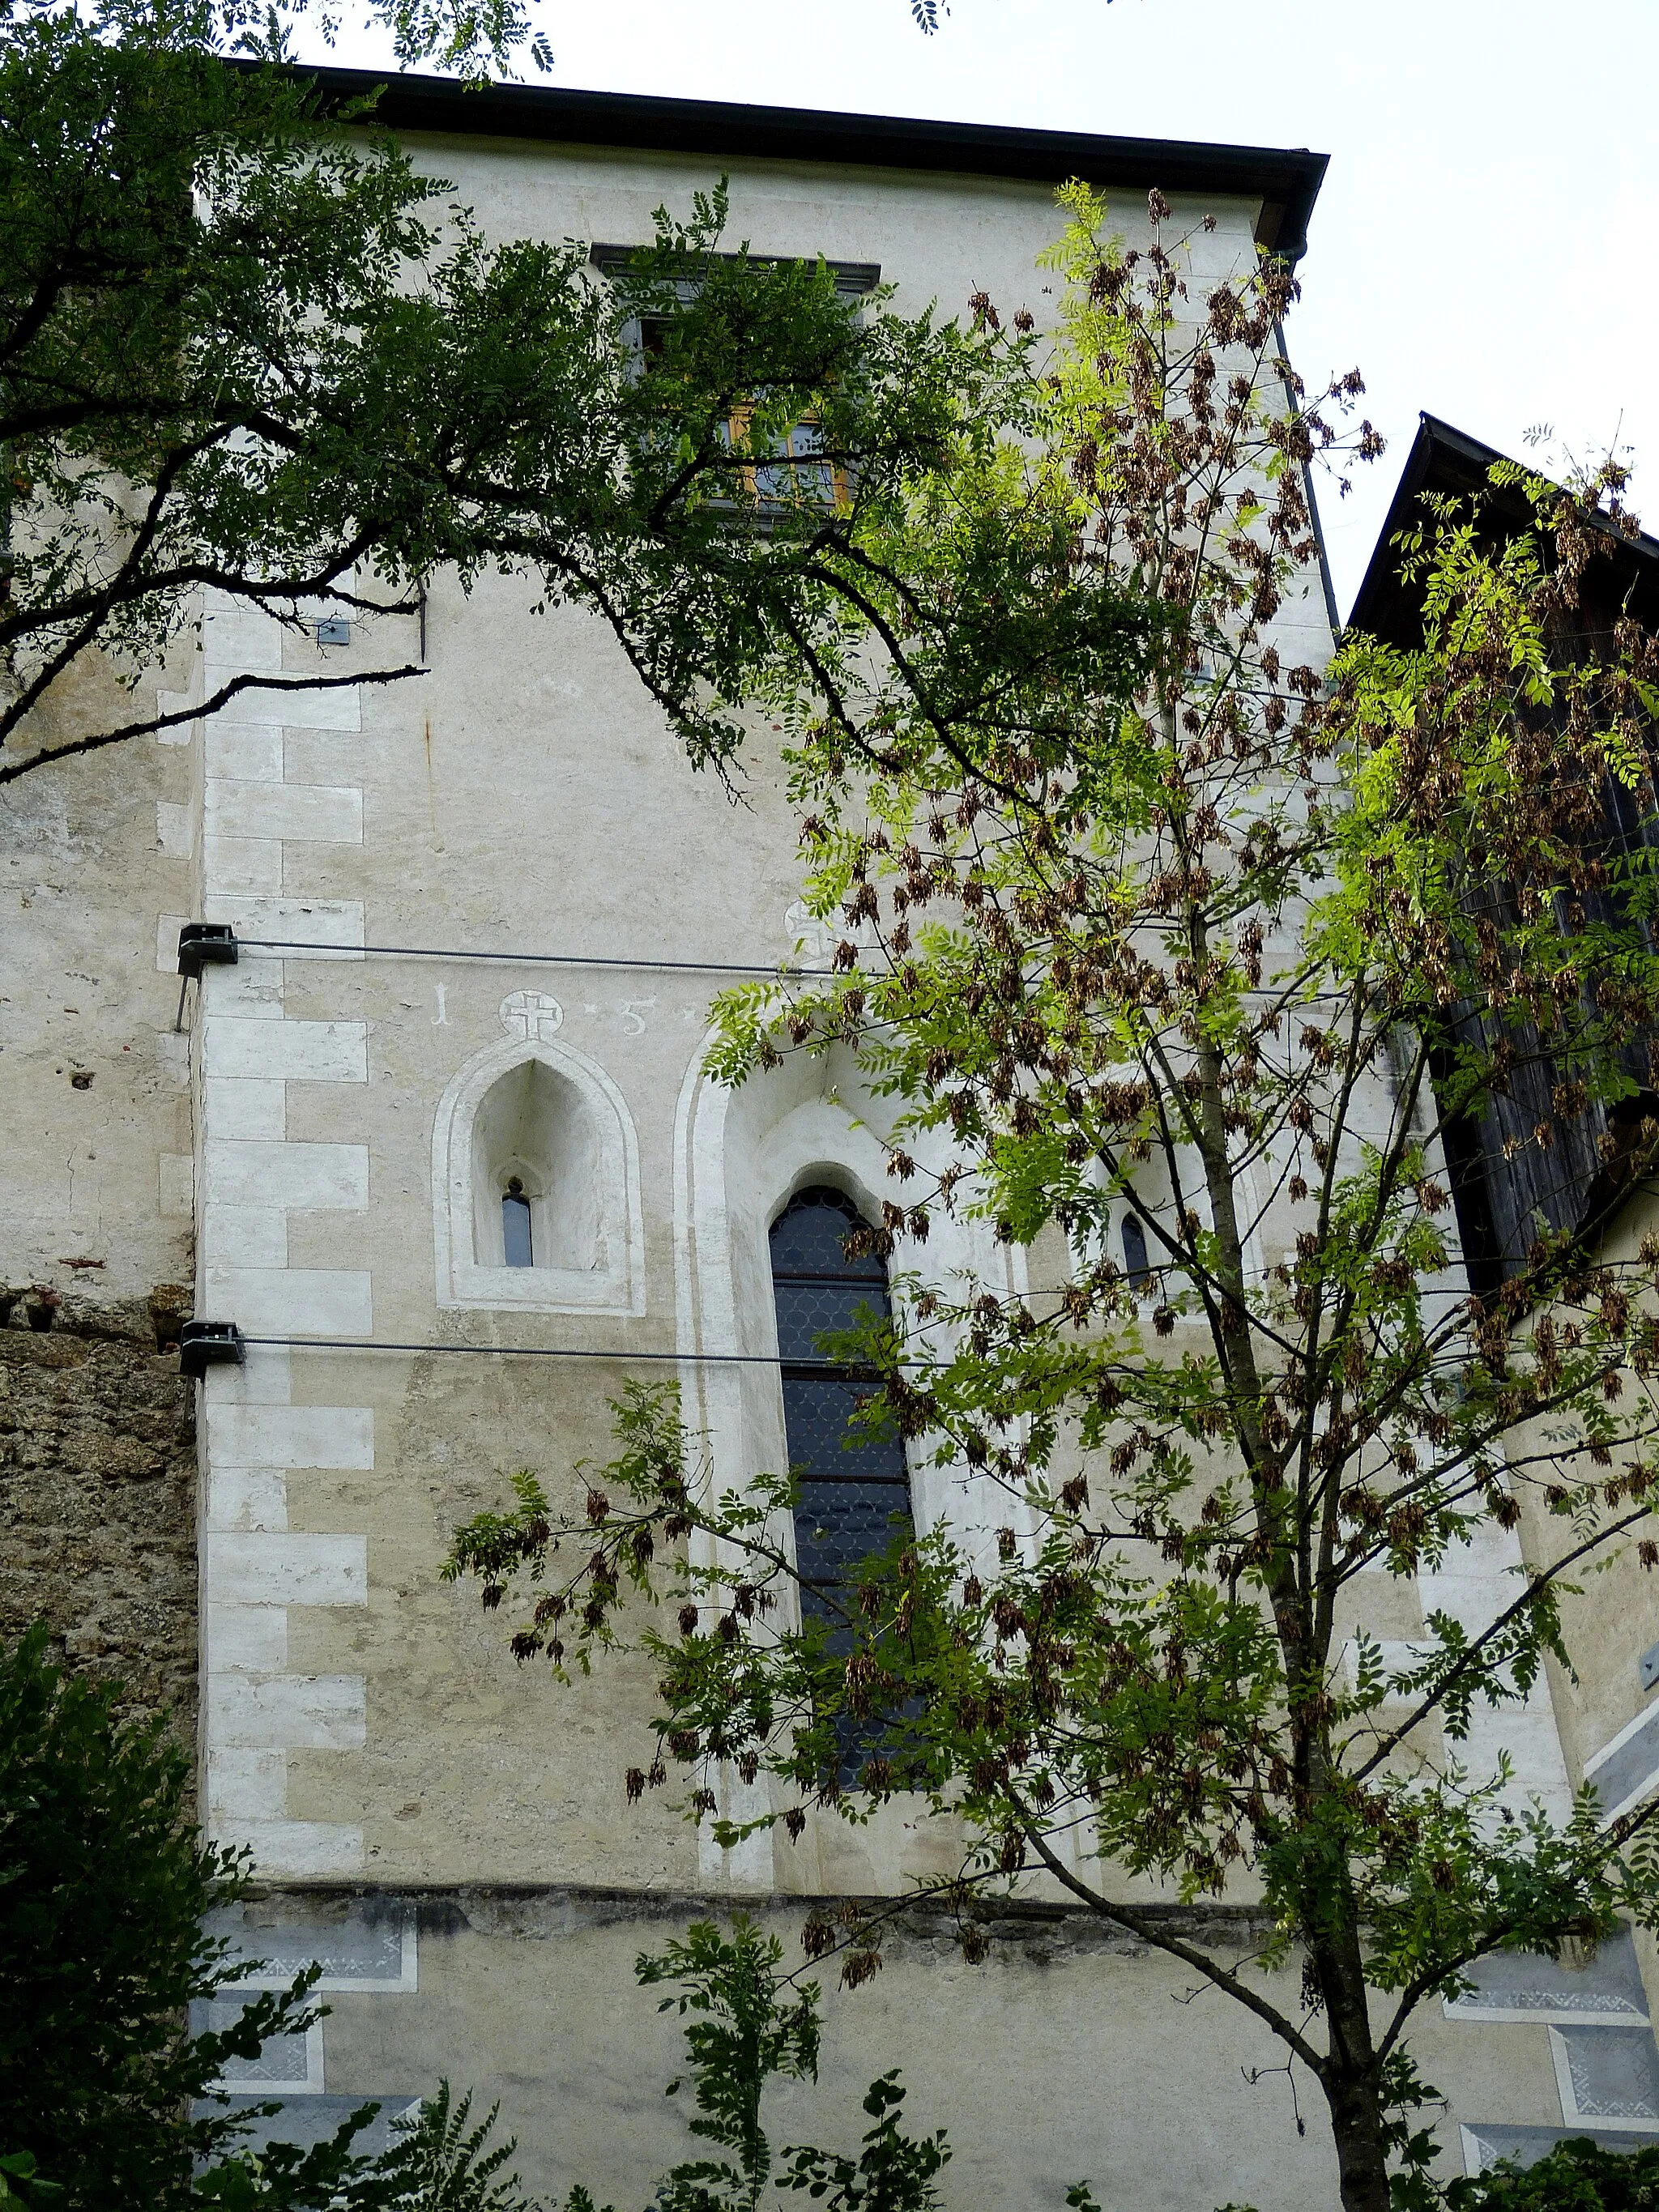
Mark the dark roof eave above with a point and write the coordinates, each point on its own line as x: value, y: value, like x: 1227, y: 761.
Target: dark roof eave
x: 1286, y: 181
x: 1444, y: 459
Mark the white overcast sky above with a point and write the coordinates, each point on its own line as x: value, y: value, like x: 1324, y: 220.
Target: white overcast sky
x: 1486, y: 243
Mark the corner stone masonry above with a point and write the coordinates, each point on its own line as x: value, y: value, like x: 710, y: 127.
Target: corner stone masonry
x: 98, y: 1491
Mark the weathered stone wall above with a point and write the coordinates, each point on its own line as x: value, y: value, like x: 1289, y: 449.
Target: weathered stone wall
x: 98, y: 1490
x: 97, y: 1454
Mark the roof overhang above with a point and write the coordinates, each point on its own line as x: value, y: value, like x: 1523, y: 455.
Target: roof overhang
x: 1450, y: 463
x: 1284, y: 182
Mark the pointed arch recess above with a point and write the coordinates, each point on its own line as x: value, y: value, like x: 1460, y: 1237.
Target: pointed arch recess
x: 610, y: 1276
x: 740, y: 1156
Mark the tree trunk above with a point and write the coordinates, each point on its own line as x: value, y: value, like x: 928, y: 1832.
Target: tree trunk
x: 1351, y: 2080
x: 1357, y: 2130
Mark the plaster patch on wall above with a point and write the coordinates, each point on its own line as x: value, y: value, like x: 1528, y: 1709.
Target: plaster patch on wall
x: 175, y: 831
x: 176, y: 1185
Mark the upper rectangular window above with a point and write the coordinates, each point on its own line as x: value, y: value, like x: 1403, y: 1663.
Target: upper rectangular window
x: 853, y: 278
x: 797, y: 478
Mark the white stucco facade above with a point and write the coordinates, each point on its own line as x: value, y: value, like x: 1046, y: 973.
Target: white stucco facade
x: 449, y: 893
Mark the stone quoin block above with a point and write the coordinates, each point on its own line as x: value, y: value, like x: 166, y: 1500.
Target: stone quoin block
x: 237, y: 637
x: 332, y: 709
x: 291, y: 1301
x: 325, y: 1178
x: 293, y: 1052
x: 239, y: 1106
x: 252, y: 991
x: 176, y: 1185
x: 251, y: 753
x: 247, y: 1785
x: 320, y: 923
x: 175, y: 829
x: 312, y: 814
x: 246, y: 1639
x: 320, y: 1712
x: 286, y: 1569
x: 255, y: 1233
x: 242, y: 863
x: 240, y: 1435
x: 298, y: 1847
x: 247, y: 1497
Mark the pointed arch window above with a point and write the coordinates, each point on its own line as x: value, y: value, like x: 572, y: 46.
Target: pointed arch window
x: 517, y: 1233
x: 852, y: 1487
x: 1137, y: 1265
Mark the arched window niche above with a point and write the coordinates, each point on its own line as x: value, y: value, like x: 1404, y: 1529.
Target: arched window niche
x: 1127, y: 1232
x: 536, y: 1192
x: 741, y: 1154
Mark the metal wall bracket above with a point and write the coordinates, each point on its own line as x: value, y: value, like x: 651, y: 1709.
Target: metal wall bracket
x: 204, y: 1344
x: 206, y: 944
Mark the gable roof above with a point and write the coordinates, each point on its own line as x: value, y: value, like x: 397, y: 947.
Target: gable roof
x: 1285, y: 180
x: 1449, y: 462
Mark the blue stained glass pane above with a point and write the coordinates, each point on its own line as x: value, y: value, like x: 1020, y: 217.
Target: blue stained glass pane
x: 809, y: 1236
x: 515, y: 1231
x: 807, y: 1311
x: 853, y: 1487
x: 1134, y: 1252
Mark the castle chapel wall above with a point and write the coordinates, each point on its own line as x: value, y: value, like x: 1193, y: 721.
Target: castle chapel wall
x: 447, y: 1831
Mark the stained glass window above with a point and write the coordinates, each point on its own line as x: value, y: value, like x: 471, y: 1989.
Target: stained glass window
x: 852, y: 1486
x: 1134, y: 1253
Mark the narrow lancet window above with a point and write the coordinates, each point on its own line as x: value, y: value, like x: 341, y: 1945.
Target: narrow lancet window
x: 1134, y: 1254
x: 853, y: 1488
x: 515, y: 1226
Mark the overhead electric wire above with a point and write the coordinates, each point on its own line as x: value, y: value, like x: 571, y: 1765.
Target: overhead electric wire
x: 531, y: 959
x: 550, y: 1351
